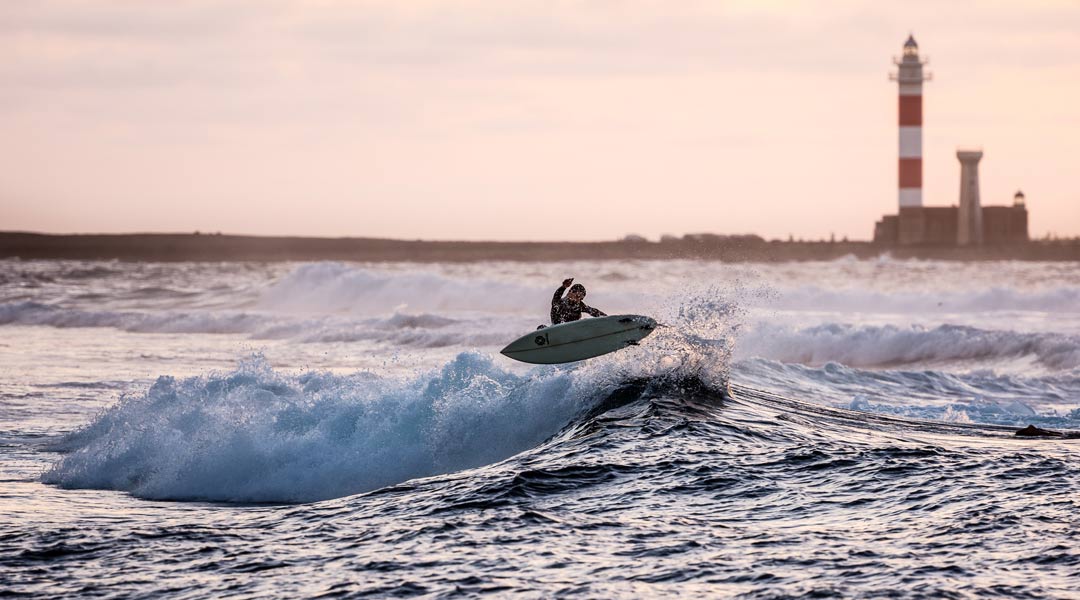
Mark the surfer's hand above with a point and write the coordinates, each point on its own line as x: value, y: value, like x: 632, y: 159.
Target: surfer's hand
x: 567, y: 282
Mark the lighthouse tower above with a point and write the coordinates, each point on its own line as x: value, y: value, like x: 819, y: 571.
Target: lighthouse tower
x: 910, y: 78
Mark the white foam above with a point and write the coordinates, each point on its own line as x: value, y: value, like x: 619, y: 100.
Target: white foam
x: 986, y: 411
x: 260, y: 435
x: 980, y: 396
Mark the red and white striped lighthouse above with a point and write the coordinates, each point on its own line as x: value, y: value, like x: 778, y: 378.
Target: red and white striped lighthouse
x: 910, y: 78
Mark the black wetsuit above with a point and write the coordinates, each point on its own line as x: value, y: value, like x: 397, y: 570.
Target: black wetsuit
x: 565, y: 309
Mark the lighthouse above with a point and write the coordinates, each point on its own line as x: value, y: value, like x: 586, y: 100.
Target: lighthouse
x: 910, y: 78
x: 971, y: 223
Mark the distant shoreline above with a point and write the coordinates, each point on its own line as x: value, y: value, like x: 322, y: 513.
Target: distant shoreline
x: 216, y: 248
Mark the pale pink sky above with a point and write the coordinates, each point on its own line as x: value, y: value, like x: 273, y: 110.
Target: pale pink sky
x: 522, y: 119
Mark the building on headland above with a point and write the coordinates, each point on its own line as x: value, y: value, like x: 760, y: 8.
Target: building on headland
x: 1006, y: 224
x: 970, y: 223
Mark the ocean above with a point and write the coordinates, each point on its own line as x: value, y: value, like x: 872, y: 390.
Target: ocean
x: 341, y: 430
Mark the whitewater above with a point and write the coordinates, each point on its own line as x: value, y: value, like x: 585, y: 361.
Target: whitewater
x: 828, y: 429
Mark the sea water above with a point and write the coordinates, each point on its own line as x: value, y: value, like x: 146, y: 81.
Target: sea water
x: 834, y: 429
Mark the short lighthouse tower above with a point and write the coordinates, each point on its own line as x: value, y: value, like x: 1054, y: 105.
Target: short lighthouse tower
x: 969, y: 231
x: 910, y: 78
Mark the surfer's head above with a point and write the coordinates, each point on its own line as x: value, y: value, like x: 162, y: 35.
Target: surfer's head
x: 577, y: 292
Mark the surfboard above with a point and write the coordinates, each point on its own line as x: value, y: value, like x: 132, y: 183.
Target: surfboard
x: 578, y: 340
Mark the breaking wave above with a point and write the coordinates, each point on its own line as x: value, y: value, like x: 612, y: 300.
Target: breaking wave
x: 336, y: 288
x: 35, y: 313
x: 256, y: 434
x: 416, y: 330
x: 259, y: 435
x: 1057, y: 299
x: 890, y: 345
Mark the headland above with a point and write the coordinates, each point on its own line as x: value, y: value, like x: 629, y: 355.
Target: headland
x: 198, y: 247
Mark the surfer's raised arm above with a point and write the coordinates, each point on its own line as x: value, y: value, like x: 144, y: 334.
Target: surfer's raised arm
x: 570, y: 308
x: 557, y: 301
x: 559, y: 292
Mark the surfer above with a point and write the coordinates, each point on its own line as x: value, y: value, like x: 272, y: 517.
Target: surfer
x: 570, y: 308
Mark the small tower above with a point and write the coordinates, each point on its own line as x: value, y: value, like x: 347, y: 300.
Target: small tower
x: 969, y: 231
x: 1018, y: 224
x: 910, y: 78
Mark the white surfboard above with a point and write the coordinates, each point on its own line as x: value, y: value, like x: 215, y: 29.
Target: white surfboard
x: 578, y: 340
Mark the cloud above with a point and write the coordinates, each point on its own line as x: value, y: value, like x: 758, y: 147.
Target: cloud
x: 52, y: 43
x: 182, y: 20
